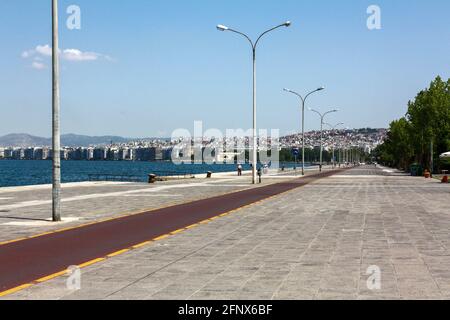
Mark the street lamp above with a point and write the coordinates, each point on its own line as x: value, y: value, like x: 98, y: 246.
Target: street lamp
x: 303, y: 120
x: 254, y: 45
x: 322, y: 117
x: 333, y: 128
x: 56, y: 135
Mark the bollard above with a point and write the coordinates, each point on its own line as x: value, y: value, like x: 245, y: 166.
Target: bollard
x: 445, y: 177
x: 208, y: 175
x: 152, y: 178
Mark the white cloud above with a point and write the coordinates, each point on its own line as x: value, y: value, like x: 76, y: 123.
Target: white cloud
x: 77, y: 55
x: 26, y: 54
x: 44, y: 50
x: 38, y: 65
x: 74, y: 55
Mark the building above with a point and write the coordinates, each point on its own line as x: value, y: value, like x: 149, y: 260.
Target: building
x: 17, y: 154
x: 166, y: 154
x: 41, y: 154
x: 8, y: 153
x: 28, y: 154
x: 99, y: 154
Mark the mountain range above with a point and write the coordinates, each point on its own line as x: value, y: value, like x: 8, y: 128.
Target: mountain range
x: 68, y: 140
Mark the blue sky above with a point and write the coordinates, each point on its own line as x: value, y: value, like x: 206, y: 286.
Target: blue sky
x: 161, y: 65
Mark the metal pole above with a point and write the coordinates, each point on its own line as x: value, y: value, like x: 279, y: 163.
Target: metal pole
x: 254, y: 45
x: 431, y: 160
x: 334, y: 163
x: 321, y: 143
x: 303, y: 120
x: 56, y: 190
x: 255, y: 145
x: 303, y: 137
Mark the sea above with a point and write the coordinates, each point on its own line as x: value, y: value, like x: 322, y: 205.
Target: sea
x: 23, y: 172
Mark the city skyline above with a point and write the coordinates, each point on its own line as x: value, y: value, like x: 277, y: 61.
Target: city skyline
x: 74, y: 140
x: 172, y: 67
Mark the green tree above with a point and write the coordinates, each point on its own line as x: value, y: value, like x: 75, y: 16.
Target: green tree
x: 429, y: 115
x: 427, y: 123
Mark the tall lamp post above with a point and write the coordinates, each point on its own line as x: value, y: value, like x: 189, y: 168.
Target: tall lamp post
x: 303, y: 100
x: 56, y: 138
x: 333, y: 128
x: 254, y: 45
x: 322, y: 117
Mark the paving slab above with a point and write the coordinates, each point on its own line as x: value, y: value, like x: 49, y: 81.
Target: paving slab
x: 320, y: 241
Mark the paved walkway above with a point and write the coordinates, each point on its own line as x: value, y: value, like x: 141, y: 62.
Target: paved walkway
x: 24, y: 211
x: 316, y: 242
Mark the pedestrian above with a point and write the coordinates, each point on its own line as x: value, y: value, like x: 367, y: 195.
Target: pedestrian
x: 259, y: 174
x: 239, y: 170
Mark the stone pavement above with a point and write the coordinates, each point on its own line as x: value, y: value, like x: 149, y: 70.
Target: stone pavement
x: 316, y: 242
x: 24, y: 211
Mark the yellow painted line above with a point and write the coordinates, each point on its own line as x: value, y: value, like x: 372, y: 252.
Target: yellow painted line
x: 132, y: 213
x: 52, y: 276
x: 40, y: 235
x: 117, y: 253
x: 161, y: 237
x: 12, y: 241
x: 89, y: 263
x: 140, y: 245
x: 13, y: 290
x: 177, y: 231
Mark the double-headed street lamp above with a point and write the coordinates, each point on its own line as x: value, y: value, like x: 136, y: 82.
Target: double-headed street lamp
x: 254, y: 45
x: 333, y: 128
x: 322, y: 117
x: 303, y: 120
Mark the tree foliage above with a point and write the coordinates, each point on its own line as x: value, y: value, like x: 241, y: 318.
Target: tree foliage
x: 426, y: 124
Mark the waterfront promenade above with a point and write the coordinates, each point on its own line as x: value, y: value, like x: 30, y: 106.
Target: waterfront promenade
x: 313, y: 242
x: 25, y: 211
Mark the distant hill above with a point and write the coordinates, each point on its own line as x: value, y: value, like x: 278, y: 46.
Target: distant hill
x: 23, y: 140
x: 73, y: 140
x: 68, y: 140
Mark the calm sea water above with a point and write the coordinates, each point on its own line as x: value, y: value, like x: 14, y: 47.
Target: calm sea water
x: 22, y: 173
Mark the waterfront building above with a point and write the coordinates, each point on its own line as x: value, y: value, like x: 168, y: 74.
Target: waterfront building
x: 99, y: 154
x: 124, y: 154
x: 64, y: 154
x: 17, y: 154
x: 145, y: 154
x: 89, y: 153
x: 38, y: 154
x: 8, y: 153
x: 28, y: 154
x: 112, y: 154
x: 166, y: 154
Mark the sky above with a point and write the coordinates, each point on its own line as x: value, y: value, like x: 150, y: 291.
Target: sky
x: 144, y: 68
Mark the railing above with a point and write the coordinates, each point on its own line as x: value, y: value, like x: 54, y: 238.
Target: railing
x: 116, y: 177
x: 174, y: 174
x: 108, y: 177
